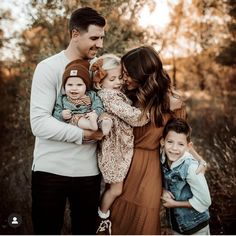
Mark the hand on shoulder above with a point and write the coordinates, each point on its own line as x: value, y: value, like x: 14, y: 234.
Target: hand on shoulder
x: 175, y: 101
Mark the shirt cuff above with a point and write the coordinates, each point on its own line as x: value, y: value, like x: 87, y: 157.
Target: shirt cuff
x: 197, y: 205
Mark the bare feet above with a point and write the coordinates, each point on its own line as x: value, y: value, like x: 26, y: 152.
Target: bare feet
x: 92, y: 116
x: 106, y: 126
x: 89, y: 121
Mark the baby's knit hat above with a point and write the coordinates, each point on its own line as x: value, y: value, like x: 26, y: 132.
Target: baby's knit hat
x: 78, y: 68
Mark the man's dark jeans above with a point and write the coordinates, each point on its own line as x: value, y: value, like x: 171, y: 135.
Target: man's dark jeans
x: 49, y: 195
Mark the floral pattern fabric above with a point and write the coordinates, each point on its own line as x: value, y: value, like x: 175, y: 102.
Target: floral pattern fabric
x: 115, y: 151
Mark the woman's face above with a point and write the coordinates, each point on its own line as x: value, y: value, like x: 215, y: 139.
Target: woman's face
x: 129, y: 82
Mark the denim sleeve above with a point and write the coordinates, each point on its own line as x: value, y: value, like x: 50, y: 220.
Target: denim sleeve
x: 97, y: 104
x: 201, y: 199
x: 57, y: 112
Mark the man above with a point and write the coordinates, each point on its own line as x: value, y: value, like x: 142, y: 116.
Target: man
x: 64, y: 167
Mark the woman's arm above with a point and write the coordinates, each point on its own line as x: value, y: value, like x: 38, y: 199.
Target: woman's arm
x: 178, y: 107
x: 202, y: 163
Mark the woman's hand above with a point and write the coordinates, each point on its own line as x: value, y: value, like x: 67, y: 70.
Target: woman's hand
x: 202, y: 167
x: 202, y: 164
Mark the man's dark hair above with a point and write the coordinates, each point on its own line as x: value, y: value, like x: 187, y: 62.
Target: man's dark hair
x: 179, y: 126
x: 83, y: 17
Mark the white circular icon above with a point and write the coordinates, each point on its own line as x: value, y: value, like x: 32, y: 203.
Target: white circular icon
x: 14, y: 220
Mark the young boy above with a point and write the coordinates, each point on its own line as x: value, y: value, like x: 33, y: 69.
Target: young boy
x: 186, y: 195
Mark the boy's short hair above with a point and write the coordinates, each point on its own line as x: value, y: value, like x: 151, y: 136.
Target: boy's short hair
x: 179, y: 126
x: 83, y: 17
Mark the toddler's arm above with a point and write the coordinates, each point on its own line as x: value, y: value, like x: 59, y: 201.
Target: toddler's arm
x: 118, y: 106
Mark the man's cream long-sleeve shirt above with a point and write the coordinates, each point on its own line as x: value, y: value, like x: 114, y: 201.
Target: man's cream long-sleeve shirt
x: 58, y: 145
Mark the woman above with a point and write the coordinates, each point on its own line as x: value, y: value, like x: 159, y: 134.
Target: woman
x: 136, y: 211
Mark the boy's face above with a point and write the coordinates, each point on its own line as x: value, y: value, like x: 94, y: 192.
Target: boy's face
x: 75, y: 87
x: 175, y: 145
x: 113, y: 79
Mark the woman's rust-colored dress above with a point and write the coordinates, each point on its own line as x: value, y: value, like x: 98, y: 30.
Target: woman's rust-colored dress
x: 137, y: 210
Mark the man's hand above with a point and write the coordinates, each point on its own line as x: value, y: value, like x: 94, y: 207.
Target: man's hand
x: 92, y: 135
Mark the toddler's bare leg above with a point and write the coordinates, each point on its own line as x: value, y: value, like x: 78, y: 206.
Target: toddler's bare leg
x: 110, y: 195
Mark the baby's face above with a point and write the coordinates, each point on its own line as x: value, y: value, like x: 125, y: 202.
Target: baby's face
x: 75, y: 87
x: 113, y: 79
x: 175, y: 145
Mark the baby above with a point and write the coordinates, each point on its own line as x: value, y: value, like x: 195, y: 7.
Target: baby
x: 80, y: 105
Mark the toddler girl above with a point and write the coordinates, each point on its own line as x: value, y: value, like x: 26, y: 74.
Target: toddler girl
x: 116, y: 149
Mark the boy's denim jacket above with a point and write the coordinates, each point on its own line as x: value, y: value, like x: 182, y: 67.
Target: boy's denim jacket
x: 183, y: 220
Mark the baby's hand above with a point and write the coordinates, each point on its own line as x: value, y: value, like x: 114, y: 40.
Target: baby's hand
x: 66, y: 114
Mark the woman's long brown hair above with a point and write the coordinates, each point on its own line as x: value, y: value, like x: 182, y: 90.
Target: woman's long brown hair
x: 144, y: 66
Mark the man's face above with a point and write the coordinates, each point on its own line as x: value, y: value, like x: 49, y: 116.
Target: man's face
x: 88, y: 43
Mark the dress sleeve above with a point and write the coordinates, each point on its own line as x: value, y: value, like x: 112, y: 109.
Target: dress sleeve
x: 118, y: 105
x: 181, y: 112
x: 43, y: 97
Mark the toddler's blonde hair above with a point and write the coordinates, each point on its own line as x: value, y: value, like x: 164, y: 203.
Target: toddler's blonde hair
x: 110, y: 61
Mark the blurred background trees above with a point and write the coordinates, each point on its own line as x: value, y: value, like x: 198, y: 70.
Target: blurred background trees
x: 198, y: 48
